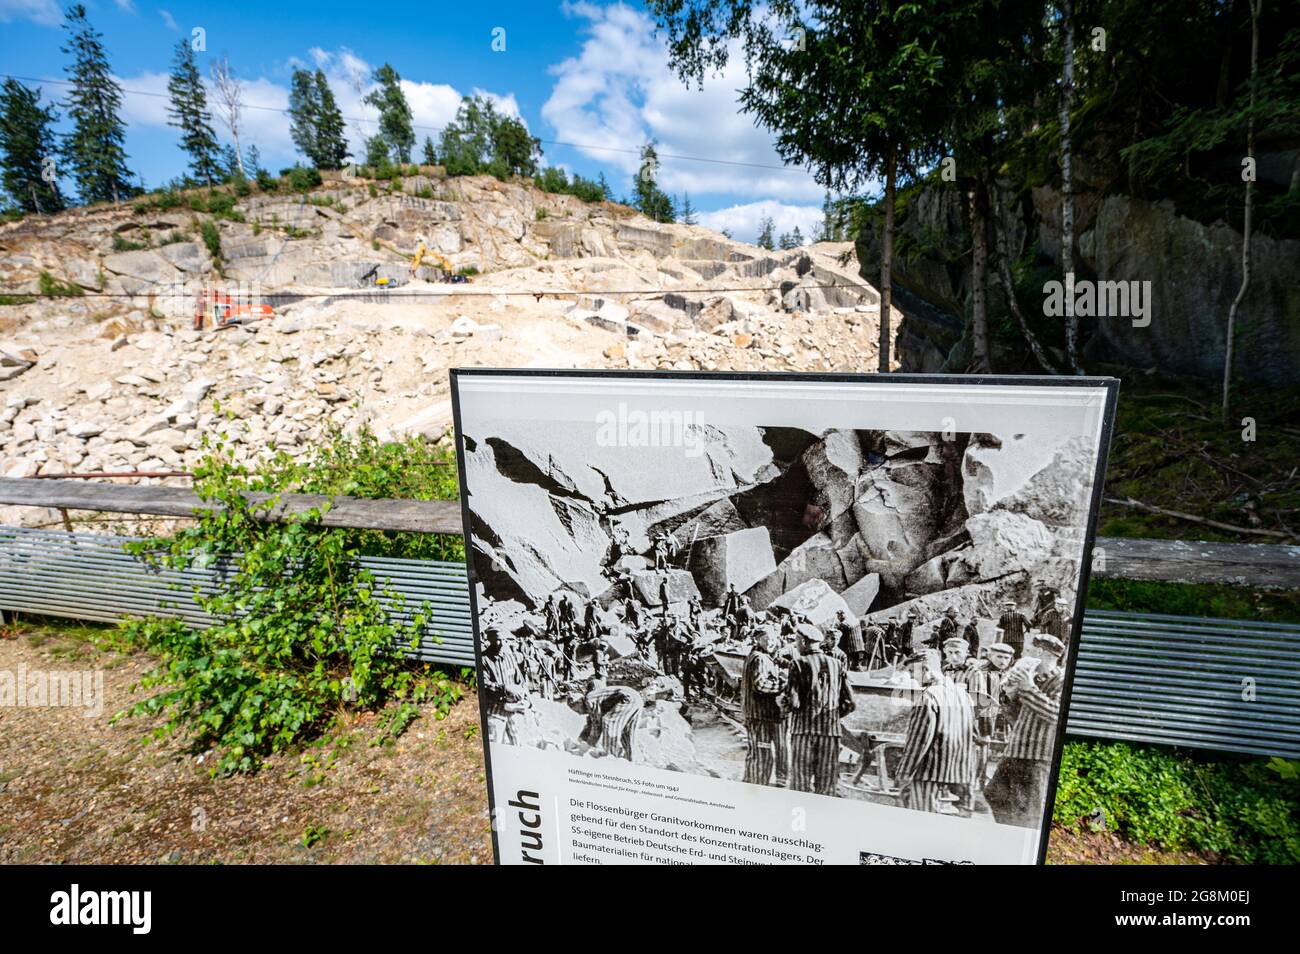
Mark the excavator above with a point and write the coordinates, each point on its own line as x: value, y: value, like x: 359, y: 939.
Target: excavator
x: 422, y: 252
x: 224, y: 311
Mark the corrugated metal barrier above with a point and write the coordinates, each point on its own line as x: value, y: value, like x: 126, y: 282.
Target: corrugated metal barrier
x: 89, y: 576
x: 1228, y: 685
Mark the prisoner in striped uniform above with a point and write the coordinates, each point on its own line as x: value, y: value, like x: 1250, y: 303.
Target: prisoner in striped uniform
x: 939, y: 752
x: 761, y: 685
x: 1014, y: 625
x: 1017, y: 792
x: 818, y: 695
x: 612, y: 718
x: 501, y: 681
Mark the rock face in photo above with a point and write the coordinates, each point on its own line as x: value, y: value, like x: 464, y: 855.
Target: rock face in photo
x: 738, y: 559
x: 871, y: 522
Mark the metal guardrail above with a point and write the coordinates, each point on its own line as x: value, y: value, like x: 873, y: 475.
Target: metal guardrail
x: 89, y: 576
x: 1228, y: 685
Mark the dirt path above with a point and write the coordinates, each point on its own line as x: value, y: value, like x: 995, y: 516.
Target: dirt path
x: 75, y: 789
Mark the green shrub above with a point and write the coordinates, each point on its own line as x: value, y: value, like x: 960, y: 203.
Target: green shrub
x: 121, y: 244
x: 469, y: 271
x: 1244, y: 811
x: 211, y: 238
x: 6, y: 300
x: 300, y: 634
x: 266, y: 182
x: 52, y: 287
x: 301, y: 178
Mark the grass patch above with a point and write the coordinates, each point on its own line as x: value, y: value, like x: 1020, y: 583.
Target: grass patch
x: 1239, y: 810
x: 52, y: 287
x: 1172, y: 450
x: 16, y: 299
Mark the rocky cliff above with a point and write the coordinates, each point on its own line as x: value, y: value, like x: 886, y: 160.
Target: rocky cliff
x: 1194, y: 270
x: 116, y: 379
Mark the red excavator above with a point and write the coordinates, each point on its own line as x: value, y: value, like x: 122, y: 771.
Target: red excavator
x: 224, y: 311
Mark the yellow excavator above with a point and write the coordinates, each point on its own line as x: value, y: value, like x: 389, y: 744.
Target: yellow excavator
x: 422, y: 252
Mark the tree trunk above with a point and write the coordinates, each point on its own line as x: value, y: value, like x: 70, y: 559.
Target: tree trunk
x: 1067, y: 185
x: 1245, y: 229
x: 1009, y: 288
x: 239, y: 156
x: 978, y: 268
x: 887, y: 258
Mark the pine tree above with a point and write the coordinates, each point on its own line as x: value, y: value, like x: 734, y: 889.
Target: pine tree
x: 27, y: 148
x: 688, y: 213
x: 605, y: 190
x: 331, y: 131
x: 188, y: 112
x: 765, y: 227
x: 785, y: 242
x: 651, y: 201
x: 95, y: 149
x: 832, y: 224
x: 304, y: 114
x: 796, y: 238
x: 394, y: 113
x: 430, y: 154
x: 253, y: 162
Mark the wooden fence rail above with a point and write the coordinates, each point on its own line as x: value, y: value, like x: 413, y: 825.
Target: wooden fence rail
x: 1181, y: 561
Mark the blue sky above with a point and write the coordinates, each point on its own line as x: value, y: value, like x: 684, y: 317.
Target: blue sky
x: 589, y: 74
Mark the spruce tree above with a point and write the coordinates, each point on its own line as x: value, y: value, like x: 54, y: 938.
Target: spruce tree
x: 331, y: 131
x: 394, y: 113
x: 652, y: 201
x: 688, y: 213
x: 430, y: 154
x: 796, y: 238
x: 95, y: 150
x: 304, y: 114
x: 765, y: 227
x: 26, y: 143
x: 188, y: 112
x: 605, y: 190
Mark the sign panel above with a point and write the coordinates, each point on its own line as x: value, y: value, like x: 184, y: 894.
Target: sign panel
x: 776, y: 618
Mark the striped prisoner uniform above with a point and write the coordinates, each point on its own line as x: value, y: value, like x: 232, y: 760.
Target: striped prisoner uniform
x: 502, y: 681
x: 611, y: 720
x: 1014, y: 626
x: 819, y: 695
x: 940, y: 748
x: 761, y: 684
x: 1018, y: 790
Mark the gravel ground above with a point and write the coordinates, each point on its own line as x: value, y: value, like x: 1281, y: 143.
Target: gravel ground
x: 75, y: 789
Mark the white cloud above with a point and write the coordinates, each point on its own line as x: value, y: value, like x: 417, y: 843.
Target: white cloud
x: 127, y: 6
x: 743, y: 221
x: 619, y: 92
x: 44, y: 12
x: 168, y: 19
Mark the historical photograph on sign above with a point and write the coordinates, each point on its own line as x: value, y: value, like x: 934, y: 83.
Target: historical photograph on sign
x: 873, y: 614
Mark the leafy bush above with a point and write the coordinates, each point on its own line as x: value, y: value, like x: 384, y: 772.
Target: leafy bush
x: 266, y: 182
x: 161, y: 201
x: 1242, y: 811
x: 300, y: 636
x: 301, y: 178
x: 52, y: 287
x: 211, y: 238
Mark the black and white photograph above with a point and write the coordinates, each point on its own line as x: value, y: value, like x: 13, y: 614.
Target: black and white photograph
x: 873, y: 614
